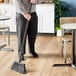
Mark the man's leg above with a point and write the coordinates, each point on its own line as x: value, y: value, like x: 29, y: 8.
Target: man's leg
x: 20, y: 22
x: 32, y: 32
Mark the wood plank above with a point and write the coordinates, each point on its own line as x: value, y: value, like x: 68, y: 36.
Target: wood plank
x: 48, y: 48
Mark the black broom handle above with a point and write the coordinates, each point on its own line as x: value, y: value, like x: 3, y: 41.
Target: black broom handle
x: 25, y: 32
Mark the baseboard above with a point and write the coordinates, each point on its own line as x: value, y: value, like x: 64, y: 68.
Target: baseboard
x: 11, y: 33
x: 39, y: 34
x: 46, y: 34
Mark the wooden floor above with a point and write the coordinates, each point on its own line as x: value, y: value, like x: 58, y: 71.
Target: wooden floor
x: 48, y: 48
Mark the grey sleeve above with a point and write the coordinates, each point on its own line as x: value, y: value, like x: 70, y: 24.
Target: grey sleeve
x: 39, y: 1
x: 21, y: 6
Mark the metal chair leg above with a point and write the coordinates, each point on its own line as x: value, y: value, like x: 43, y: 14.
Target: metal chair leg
x: 8, y: 36
x: 64, y: 49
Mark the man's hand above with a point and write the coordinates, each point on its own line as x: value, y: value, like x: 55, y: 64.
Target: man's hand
x: 27, y: 16
x: 33, y: 1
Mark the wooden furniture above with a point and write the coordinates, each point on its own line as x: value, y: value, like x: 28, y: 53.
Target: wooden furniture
x: 66, y: 38
x: 72, y: 26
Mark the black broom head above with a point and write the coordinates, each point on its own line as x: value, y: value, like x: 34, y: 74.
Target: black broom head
x: 19, y: 67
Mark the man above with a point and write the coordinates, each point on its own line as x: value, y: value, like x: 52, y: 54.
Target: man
x: 22, y: 10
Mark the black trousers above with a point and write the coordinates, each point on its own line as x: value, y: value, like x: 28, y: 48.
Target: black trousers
x: 31, y: 32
